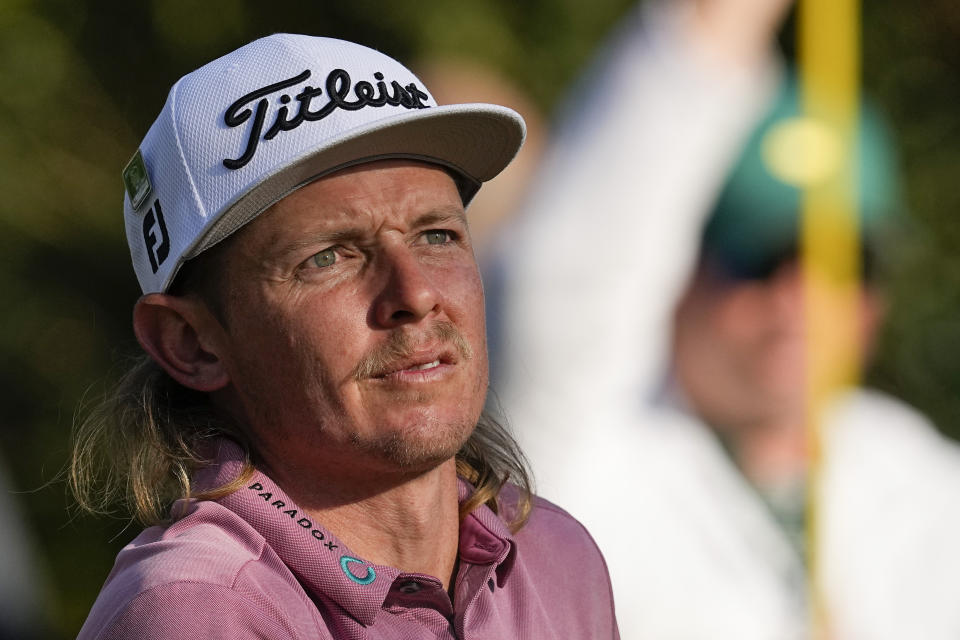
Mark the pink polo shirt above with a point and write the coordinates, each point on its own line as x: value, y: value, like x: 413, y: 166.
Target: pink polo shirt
x: 253, y: 565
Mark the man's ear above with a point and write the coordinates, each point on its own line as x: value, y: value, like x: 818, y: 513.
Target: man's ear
x: 183, y: 337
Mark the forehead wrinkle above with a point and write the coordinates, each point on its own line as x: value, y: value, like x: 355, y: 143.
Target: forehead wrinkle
x: 276, y: 241
x: 357, y: 233
x: 441, y: 215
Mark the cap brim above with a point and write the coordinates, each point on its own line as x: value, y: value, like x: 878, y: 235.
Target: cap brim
x: 477, y: 141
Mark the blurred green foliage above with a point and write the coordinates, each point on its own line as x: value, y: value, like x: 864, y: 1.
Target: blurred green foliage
x: 82, y: 81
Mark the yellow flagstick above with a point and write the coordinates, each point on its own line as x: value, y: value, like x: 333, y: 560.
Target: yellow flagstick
x: 829, y: 45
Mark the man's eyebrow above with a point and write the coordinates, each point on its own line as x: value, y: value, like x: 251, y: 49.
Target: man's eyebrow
x: 441, y: 216
x: 318, y: 238
x: 436, y: 217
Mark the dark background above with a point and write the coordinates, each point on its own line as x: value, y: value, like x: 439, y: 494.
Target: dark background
x: 80, y: 83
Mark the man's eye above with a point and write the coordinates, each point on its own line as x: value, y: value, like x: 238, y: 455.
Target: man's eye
x: 324, y: 258
x: 437, y: 236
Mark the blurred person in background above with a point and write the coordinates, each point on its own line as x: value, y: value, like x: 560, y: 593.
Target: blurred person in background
x: 652, y: 361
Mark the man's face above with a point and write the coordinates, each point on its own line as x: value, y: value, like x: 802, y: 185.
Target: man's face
x: 354, y: 323
x: 740, y: 346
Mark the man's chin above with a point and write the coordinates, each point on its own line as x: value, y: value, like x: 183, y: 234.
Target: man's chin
x: 403, y: 455
x: 415, y: 449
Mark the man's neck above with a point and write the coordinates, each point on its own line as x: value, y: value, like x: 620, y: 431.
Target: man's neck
x: 770, y: 455
x: 411, y: 524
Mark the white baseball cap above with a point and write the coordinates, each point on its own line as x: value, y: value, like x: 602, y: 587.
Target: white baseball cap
x: 244, y: 131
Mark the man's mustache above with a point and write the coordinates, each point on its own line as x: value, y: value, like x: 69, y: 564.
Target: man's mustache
x: 401, y: 345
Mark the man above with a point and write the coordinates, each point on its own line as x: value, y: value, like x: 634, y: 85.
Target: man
x: 739, y: 339
x: 682, y: 397
x: 317, y: 367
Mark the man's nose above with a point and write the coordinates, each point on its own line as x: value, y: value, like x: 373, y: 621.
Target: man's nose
x: 786, y: 292
x: 408, y: 293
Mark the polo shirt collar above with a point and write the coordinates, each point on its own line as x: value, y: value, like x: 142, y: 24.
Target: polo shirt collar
x: 322, y: 562
x: 484, y: 537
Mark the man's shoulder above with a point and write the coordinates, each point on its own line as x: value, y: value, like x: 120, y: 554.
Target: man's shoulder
x: 875, y: 428
x: 552, y: 531
x: 550, y: 519
x: 209, y: 561
x: 210, y: 544
x: 560, y: 562
x: 185, y: 609
x: 546, y: 518
x: 889, y: 469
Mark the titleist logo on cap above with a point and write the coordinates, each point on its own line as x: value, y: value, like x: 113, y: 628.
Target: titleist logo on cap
x: 338, y: 87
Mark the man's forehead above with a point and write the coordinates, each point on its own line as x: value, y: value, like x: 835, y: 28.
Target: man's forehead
x: 409, y: 192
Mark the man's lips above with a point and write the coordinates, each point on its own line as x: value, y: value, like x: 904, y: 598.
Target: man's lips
x: 428, y: 365
x: 424, y: 361
x: 425, y: 356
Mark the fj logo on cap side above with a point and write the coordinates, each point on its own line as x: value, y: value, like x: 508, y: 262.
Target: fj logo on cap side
x: 136, y: 180
x: 155, y: 236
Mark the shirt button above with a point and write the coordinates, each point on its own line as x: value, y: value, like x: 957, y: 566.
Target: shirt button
x: 410, y: 587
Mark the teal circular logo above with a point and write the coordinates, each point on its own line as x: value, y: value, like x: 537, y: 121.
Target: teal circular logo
x: 345, y: 563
